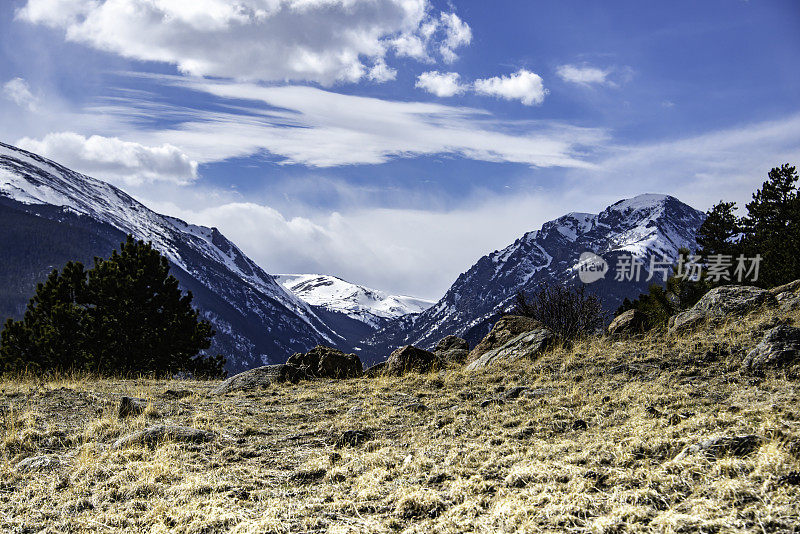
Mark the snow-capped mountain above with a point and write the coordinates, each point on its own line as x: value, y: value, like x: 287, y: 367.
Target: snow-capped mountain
x: 643, y: 227
x: 367, y: 305
x: 54, y: 214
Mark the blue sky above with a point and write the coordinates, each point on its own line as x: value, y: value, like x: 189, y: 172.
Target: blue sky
x: 393, y: 142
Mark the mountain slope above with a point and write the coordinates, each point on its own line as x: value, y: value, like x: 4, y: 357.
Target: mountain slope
x: 642, y: 227
x: 257, y: 321
x: 367, y: 305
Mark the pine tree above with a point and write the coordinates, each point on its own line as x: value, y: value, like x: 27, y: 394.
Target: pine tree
x: 52, y: 332
x: 125, y: 315
x: 719, y: 232
x: 140, y: 320
x: 772, y: 227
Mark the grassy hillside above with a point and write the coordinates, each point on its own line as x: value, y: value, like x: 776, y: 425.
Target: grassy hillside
x: 592, y: 446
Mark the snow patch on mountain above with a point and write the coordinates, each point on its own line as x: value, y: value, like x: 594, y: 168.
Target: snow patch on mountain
x: 362, y: 303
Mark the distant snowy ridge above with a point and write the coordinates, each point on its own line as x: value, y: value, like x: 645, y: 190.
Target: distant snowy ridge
x: 358, y: 302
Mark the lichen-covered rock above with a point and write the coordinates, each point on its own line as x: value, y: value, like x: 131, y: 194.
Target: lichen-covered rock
x: 721, y: 302
x: 503, y: 331
x: 723, y: 446
x: 452, y: 349
x: 44, y: 462
x: 154, y: 435
x: 629, y: 323
x: 259, y: 377
x: 411, y: 359
x: 327, y: 362
x: 525, y: 345
x: 780, y: 347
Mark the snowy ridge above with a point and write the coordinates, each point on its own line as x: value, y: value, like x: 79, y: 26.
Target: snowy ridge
x: 644, y: 226
x: 356, y: 301
x: 204, y: 253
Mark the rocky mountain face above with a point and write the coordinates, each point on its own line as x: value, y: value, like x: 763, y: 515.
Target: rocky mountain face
x: 51, y: 215
x: 642, y: 228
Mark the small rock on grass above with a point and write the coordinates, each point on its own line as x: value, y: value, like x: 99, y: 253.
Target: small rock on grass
x: 130, y: 407
x: 723, y: 445
x: 44, y: 462
x: 154, y: 435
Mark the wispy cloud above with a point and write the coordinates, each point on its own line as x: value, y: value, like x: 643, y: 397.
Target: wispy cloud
x: 18, y: 91
x: 318, y: 128
x: 584, y: 75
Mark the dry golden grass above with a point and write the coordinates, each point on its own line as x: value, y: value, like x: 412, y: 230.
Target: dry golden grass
x: 594, y: 453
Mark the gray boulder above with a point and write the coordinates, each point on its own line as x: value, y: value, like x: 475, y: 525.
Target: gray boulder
x: 44, y: 462
x: 779, y: 347
x: 722, y: 302
x: 452, y: 349
x: 723, y: 446
x: 259, y: 377
x: 525, y: 345
x: 629, y: 323
x: 411, y: 359
x: 326, y: 362
x: 154, y: 435
x: 503, y: 331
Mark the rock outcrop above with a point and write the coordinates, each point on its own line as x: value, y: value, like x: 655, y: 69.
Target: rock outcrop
x: 326, y: 362
x: 780, y: 347
x: 525, y: 345
x: 722, y: 302
x: 788, y: 296
x: 410, y: 359
x: 629, y: 323
x: 259, y: 377
x: 452, y: 349
x: 503, y: 331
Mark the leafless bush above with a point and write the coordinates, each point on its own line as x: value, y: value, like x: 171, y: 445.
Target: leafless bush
x: 567, y: 311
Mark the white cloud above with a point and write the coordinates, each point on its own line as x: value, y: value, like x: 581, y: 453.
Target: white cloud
x: 523, y: 85
x: 443, y: 35
x: 380, y: 72
x: 17, y: 91
x: 441, y: 84
x: 314, y: 127
x: 584, y: 75
x: 457, y: 34
x: 114, y: 160
x: 393, y: 249
x: 323, y: 41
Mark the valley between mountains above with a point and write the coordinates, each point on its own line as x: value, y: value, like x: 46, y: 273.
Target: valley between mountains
x: 52, y: 215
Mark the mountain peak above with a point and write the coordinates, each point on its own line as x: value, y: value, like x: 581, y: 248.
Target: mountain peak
x: 356, y: 301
